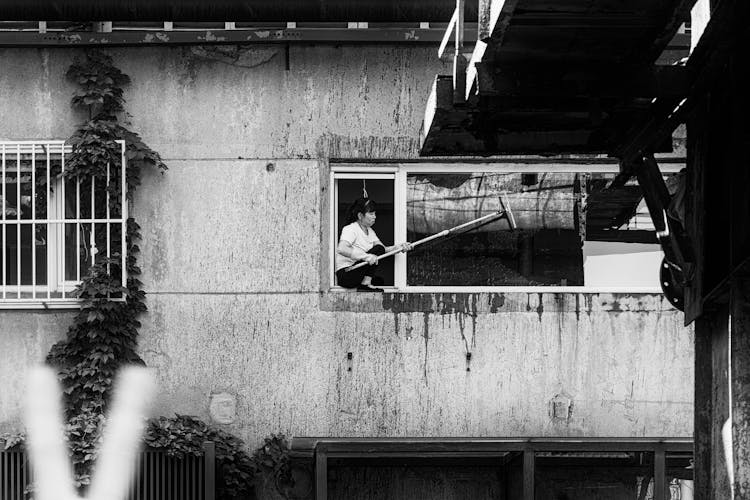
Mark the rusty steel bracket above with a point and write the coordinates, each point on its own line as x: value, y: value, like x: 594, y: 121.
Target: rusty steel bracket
x: 678, y: 267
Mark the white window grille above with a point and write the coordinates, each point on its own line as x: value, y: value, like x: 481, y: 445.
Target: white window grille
x: 53, y: 226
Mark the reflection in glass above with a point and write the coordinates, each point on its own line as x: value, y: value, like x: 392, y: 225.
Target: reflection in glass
x: 572, y: 229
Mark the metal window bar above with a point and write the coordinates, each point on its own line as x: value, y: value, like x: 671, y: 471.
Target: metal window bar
x: 3, y: 221
x: 18, y: 219
x: 157, y: 476
x: 22, y: 283
x: 47, y: 212
x: 61, y: 240
x: 33, y: 224
x: 78, y: 228
x: 92, y: 239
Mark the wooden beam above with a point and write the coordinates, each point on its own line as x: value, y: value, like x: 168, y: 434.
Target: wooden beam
x: 209, y: 470
x: 727, y: 26
x: 494, y: 19
x: 529, y: 473
x: 489, y: 446
x: 697, y: 166
x: 660, y: 474
x: 720, y: 401
x: 586, y: 82
x: 321, y: 474
x: 676, y: 245
x: 647, y: 237
x: 740, y: 384
x: 705, y: 328
x: 678, y: 13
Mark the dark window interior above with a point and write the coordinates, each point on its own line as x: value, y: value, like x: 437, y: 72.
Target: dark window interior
x: 380, y: 191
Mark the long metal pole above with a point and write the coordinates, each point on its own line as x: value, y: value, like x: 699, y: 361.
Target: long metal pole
x: 435, y: 236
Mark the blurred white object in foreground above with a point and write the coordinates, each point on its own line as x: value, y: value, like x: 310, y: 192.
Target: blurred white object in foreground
x: 117, y: 456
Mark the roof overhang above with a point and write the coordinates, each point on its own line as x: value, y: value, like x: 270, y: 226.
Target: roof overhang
x: 560, y: 77
x: 233, y: 10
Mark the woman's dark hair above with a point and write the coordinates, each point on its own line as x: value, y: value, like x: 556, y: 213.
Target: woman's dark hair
x: 362, y: 205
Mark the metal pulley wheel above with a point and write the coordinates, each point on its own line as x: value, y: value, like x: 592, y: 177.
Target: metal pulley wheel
x: 671, y: 280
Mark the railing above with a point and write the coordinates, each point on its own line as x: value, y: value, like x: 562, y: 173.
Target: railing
x: 455, y: 31
x: 658, y: 459
x: 158, y: 476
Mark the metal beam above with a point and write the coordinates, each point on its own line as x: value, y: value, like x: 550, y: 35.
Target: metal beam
x: 235, y: 10
x: 424, y: 36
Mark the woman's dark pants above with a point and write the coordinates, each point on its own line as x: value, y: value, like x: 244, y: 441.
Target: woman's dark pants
x: 353, y: 279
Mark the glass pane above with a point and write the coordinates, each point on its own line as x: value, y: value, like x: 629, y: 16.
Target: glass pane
x: 620, y: 247
x: 41, y: 242
x: 100, y: 197
x: 18, y: 190
x: 115, y: 194
x: 32, y: 249
x: 572, y: 229
x: 11, y: 254
x: 545, y: 248
x: 77, y: 262
x: 40, y: 179
x: 75, y: 199
x: 381, y: 192
x: 679, y: 480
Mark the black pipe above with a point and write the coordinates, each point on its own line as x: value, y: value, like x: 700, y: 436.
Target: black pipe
x: 234, y: 10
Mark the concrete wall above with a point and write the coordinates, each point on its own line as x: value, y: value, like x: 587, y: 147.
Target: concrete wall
x: 234, y: 249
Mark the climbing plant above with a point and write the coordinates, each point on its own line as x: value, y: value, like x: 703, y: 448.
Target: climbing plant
x: 104, y: 333
x: 238, y: 472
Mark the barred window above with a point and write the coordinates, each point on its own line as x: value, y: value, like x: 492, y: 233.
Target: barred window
x: 55, y: 226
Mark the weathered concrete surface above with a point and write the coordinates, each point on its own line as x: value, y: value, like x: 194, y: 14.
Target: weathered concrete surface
x: 359, y: 102
x: 25, y: 339
x: 235, y: 254
x: 231, y: 227
x: 627, y: 373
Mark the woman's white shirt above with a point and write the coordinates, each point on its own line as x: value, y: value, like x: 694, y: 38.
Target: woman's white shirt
x: 356, y: 237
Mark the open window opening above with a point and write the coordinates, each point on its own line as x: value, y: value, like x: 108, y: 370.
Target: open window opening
x: 580, y: 229
x: 379, y: 188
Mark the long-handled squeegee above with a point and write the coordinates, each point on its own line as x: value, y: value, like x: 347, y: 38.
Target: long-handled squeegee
x: 503, y: 212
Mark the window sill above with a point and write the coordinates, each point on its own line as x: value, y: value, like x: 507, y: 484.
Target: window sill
x: 482, y: 300
x: 512, y: 289
x: 29, y: 304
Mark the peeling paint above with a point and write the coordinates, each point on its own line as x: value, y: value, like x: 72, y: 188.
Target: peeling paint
x: 210, y: 37
x: 235, y: 55
x: 540, y: 306
x: 496, y: 302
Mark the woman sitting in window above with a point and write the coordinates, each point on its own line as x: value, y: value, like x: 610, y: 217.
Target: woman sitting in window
x: 359, y: 243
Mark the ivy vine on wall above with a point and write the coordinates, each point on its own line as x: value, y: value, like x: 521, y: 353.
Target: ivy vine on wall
x: 104, y: 334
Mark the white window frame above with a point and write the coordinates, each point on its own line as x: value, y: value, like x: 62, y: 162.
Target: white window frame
x: 15, y: 296
x: 399, y: 172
